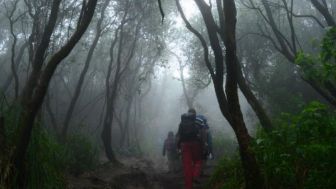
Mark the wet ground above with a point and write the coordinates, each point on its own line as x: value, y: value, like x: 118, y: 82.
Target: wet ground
x: 134, y: 174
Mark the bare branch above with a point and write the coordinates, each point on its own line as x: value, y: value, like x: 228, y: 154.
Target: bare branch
x: 161, y: 10
x: 200, y: 37
x: 309, y: 16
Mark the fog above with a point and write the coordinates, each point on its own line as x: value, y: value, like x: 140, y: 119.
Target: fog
x: 117, y: 75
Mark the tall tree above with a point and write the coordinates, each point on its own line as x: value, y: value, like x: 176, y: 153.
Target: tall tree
x: 227, y: 98
x: 75, y: 97
x: 36, y: 87
x: 288, y: 44
x: 122, y: 64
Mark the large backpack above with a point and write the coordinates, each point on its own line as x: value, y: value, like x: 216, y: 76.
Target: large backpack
x: 188, y: 130
x: 205, y: 136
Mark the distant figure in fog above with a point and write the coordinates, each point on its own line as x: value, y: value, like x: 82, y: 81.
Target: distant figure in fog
x: 170, y: 149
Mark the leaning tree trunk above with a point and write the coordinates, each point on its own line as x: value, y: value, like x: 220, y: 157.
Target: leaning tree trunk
x: 244, y: 87
x: 228, y: 100
x: 252, y: 99
x: 38, y: 82
x: 81, y: 79
x: 111, y: 91
x: 253, y: 176
x: 325, y: 12
x: 289, y: 51
x: 110, y: 98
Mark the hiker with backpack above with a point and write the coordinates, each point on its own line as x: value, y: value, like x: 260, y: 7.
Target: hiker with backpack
x: 207, y: 153
x: 170, y: 149
x: 202, y: 122
x: 190, y: 141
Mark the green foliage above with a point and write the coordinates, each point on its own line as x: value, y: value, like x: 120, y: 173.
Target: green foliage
x: 10, y: 115
x: 300, y: 153
x: 223, y: 145
x: 47, y: 160
x: 228, y: 174
x: 45, y: 163
x: 80, y: 154
x: 323, y: 66
x: 287, y: 95
x: 328, y: 53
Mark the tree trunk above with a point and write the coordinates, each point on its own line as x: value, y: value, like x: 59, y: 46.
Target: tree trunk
x: 111, y: 91
x: 286, y: 50
x: 51, y: 114
x: 265, y: 122
x: 13, y: 63
x: 228, y: 100
x: 253, y: 178
x: 289, y: 51
x: 2, y: 137
x: 81, y: 79
x: 106, y: 137
x: 185, y: 93
x: 325, y: 12
x: 17, y: 64
x: 125, y: 131
x: 106, y: 132
x: 37, y: 85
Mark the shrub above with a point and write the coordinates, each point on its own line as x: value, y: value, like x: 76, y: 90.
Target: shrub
x: 45, y: 161
x: 44, y: 167
x: 300, y: 153
x: 80, y: 154
x: 228, y: 174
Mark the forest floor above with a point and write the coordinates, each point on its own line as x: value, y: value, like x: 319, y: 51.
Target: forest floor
x: 133, y: 174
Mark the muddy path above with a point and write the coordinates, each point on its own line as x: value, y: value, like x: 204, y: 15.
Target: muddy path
x: 134, y: 174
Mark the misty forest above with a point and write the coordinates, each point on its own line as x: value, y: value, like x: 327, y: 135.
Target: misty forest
x: 92, y: 90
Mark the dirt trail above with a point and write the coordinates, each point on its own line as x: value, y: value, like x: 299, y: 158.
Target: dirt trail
x: 135, y: 174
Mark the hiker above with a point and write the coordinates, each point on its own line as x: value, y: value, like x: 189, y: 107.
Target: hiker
x: 205, y: 134
x: 190, y: 143
x: 202, y: 122
x: 169, y: 148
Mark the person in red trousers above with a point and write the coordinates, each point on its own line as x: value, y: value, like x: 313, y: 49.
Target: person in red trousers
x: 189, y: 142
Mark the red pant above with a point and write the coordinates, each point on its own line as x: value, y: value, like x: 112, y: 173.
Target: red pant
x: 192, y: 162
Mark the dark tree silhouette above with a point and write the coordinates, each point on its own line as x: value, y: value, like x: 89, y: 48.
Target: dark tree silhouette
x: 36, y: 87
x: 227, y: 98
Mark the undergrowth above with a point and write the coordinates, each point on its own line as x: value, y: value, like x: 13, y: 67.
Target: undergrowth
x: 299, y: 153
x: 47, y: 160
x: 228, y: 174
